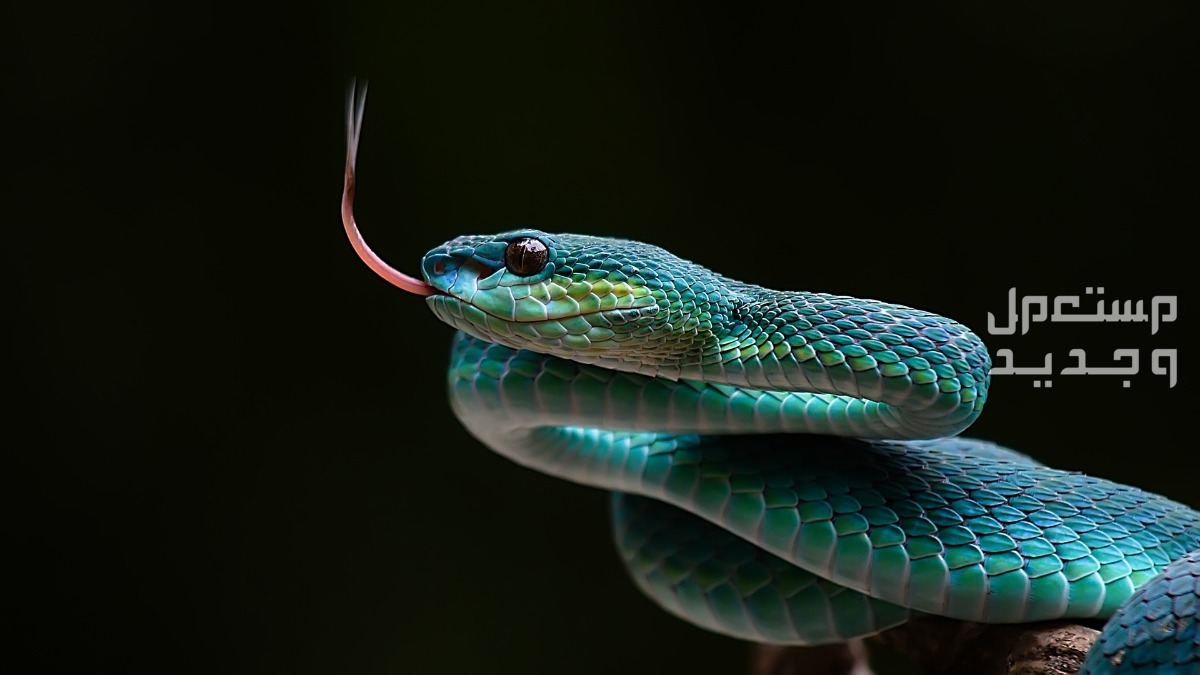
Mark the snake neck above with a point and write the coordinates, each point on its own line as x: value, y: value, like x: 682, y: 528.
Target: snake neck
x: 833, y: 344
x: 933, y: 369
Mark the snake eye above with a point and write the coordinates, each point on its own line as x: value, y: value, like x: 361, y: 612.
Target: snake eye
x: 526, y: 256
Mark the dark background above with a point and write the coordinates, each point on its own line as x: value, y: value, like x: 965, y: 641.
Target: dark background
x: 233, y: 448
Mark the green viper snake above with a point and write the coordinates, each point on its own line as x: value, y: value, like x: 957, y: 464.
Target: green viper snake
x: 786, y: 467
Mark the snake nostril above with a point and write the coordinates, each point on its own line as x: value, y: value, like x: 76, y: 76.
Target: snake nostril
x: 439, y: 267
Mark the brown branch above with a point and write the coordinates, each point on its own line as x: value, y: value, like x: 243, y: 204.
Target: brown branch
x: 942, y: 647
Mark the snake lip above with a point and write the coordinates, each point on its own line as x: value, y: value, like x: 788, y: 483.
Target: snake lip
x: 448, y: 296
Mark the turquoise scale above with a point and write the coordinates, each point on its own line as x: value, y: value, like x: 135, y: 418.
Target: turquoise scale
x: 1158, y: 631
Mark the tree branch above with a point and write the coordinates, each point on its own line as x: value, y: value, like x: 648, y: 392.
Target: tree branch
x: 942, y: 647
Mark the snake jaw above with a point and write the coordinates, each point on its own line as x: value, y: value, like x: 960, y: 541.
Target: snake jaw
x: 355, y: 106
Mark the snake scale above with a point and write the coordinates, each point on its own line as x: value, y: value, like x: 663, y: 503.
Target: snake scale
x: 787, y: 467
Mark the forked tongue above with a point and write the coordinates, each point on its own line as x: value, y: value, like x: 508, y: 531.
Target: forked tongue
x: 355, y: 103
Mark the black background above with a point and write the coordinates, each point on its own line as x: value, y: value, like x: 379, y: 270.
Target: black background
x: 233, y: 448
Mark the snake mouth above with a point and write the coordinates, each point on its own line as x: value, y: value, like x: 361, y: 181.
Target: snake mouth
x: 593, y: 316
x: 556, y: 298
x: 571, y: 336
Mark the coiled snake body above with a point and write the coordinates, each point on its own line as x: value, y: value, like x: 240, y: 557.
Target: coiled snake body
x: 786, y: 466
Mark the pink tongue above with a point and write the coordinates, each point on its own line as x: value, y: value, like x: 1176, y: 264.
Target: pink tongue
x: 354, y: 115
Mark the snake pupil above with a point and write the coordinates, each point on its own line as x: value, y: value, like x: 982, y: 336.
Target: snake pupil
x: 526, y: 256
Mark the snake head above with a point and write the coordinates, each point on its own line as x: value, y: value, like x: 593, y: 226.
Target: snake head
x: 623, y: 303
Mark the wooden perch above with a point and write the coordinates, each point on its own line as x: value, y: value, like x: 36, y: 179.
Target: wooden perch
x: 942, y: 647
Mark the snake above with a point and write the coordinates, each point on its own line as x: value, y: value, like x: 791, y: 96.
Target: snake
x: 786, y: 467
